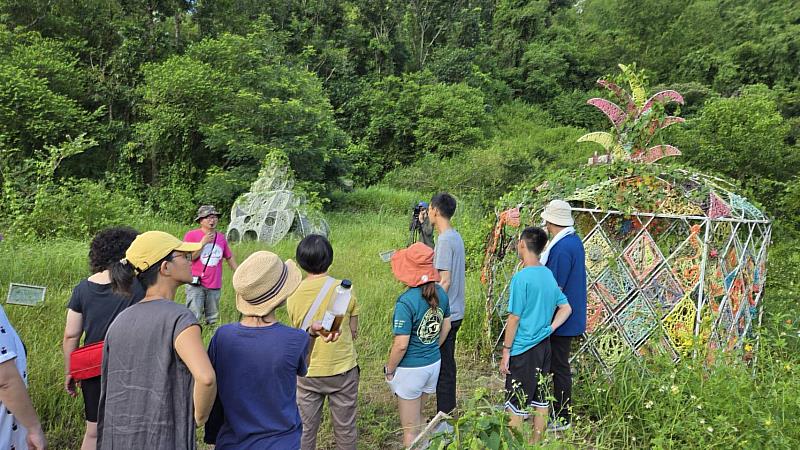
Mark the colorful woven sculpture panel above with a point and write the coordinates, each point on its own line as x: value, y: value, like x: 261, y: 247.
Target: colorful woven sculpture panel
x: 657, y: 283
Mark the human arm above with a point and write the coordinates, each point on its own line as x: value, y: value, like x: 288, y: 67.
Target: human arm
x: 232, y: 263
x: 445, y: 281
x: 398, y: 350
x: 354, y: 327
x: 445, y: 331
x: 508, y: 340
x: 314, y: 331
x: 72, y: 335
x: 562, y: 314
x: 189, y: 346
x: 14, y: 396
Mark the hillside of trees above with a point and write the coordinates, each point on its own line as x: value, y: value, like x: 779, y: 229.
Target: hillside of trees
x: 172, y: 102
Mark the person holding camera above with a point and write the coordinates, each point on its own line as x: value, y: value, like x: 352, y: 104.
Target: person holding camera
x: 202, y: 295
x: 421, y: 227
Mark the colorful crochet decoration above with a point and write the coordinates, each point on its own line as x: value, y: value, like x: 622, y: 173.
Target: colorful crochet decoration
x: 636, y: 125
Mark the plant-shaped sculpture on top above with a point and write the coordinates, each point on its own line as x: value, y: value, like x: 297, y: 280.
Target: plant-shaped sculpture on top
x: 635, y: 123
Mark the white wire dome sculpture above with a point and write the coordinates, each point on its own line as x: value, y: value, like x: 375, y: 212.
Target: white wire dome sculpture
x: 690, y: 271
x: 673, y: 258
x: 271, y: 210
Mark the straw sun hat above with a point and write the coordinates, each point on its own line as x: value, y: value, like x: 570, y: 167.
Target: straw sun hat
x: 263, y: 282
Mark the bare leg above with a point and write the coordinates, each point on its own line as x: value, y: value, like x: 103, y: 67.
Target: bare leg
x: 410, y: 418
x: 539, y: 423
x: 90, y: 437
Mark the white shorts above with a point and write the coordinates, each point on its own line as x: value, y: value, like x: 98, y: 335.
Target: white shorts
x: 409, y: 383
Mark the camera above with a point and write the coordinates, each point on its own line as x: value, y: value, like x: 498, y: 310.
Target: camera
x: 195, y: 280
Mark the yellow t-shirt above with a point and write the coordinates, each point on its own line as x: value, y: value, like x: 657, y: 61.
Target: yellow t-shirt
x: 328, y: 358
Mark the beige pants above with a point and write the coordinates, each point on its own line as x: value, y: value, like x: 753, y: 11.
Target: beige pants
x: 342, y: 393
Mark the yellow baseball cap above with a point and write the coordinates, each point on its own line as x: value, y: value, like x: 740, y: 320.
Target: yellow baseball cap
x: 151, y: 247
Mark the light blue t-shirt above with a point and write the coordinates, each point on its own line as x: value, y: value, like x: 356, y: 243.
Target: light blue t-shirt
x: 449, y: 255
x: 533, y: 298
x: 413, y: 316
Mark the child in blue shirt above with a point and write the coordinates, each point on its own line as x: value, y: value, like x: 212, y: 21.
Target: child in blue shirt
x: 533, y: 299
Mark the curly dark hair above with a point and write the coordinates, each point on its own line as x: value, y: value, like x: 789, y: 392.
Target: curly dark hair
x: 108, y: 247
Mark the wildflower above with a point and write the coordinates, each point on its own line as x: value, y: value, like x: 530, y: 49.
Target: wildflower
x: 702, y: 421
x: 648, y: 404
x: 662, y: 389
x: 693, y: 397
x: 748, y: 347
x: 710, y: 429
x: 674, y: 389
x: 699, y: 406
x: 735, y: 430
x: 768, y: 421
x: 630, y: 417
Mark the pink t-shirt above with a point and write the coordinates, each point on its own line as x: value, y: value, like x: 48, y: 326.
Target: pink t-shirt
x: 212, y: 278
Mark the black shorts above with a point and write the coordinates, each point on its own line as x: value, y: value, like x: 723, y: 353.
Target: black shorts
x: 91, y: 398
x: 522, y: 384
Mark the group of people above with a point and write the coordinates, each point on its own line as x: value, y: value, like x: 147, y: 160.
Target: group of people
x: 261, y: 383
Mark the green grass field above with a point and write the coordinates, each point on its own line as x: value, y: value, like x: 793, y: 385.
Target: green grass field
x: 656, y: 404
x: 357, y: 240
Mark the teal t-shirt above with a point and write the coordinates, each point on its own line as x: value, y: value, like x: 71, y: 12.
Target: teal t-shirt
x: 413, y: 316
x: 533, y: 298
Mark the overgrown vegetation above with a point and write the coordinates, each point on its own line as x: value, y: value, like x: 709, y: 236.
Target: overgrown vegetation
x: 135, y: 112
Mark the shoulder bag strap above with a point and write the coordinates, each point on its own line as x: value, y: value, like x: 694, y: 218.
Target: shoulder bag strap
x: 205, y: 266
x: 318, y: 301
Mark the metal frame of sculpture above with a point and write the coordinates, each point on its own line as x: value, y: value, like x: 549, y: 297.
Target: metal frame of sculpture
x: 271, y: 210
x: 688, y: 270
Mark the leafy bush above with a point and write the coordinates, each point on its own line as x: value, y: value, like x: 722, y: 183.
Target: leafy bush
x: 526, y: 143
x: 221, y: 187
x: 76, y: 209
x: 377, y: 199
x: 743, y: 137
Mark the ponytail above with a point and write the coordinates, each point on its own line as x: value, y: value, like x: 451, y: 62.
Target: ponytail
x: 122, y: 276
x: 430, y: 295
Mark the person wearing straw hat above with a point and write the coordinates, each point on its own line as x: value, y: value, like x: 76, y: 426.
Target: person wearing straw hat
x: 258, y: 359
x: 153, y: 354
x: 566, y: 259
x: 420, y: 324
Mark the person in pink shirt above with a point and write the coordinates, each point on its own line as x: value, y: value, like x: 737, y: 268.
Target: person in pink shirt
x: 202, y: 295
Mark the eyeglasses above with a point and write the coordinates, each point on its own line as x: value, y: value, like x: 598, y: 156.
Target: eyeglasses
x: 185, y: 255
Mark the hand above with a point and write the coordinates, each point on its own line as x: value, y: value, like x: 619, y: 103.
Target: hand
x: 316, y: 329
x: 388, y: 376
x: 504, y: 362
x: 422, y: 215
x: 36, y: 439
x: 69, y: 385
x: 208, y: 238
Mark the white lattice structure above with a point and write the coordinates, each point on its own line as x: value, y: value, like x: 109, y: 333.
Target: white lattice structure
x: 691, y: 270
x: 271, y: 210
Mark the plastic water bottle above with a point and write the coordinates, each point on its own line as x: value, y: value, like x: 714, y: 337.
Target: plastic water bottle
x: 332, y: 320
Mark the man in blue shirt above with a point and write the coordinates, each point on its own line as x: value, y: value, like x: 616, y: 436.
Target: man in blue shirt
x: 566, y: 258
x: 533, y: 300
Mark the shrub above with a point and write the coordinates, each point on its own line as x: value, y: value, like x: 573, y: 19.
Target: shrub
x: 76, y: 209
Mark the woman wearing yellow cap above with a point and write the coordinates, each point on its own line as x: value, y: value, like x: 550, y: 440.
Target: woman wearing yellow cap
x: 153, y: 354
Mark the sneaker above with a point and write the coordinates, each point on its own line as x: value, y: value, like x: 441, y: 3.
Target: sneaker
x: 559, y: 425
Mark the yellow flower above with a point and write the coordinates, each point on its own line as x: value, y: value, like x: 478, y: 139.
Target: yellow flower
x: 748, y: 347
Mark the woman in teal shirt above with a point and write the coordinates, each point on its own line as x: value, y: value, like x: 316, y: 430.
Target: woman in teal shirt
x: 420, y: 324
